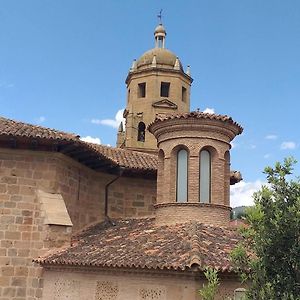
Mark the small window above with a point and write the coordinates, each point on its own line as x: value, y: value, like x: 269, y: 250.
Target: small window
x: 128, y: 95
x: 164, y: 89
x: 142, y: 90
x: 205, y: 176
x: 183, y: 94
x: 141, y: 132
x: 182, y: 176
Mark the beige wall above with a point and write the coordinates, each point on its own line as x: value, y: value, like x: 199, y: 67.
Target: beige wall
x: 140, y: 286
x: 24, y: 235
x: 141, y: 109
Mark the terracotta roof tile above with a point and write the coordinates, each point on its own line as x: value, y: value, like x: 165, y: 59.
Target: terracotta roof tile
x: 138, y: 243
x: 119, y: 157
x: 126, y: 158
x: 196, y: 115
x: 20, y: 129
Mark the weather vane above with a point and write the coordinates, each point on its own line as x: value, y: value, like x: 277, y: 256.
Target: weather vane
x: 160, y: 16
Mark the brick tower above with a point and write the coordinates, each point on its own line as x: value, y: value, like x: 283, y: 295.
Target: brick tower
x: 156, y: 84
x: 193, y: 178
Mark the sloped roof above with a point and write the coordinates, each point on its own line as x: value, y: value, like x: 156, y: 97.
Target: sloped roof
x: 20, y: 129
x: 139, y: 243
x: 126, y: 158
x: 72, y: 146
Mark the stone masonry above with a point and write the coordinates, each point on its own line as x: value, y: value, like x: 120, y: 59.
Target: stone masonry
x: 24, y: 235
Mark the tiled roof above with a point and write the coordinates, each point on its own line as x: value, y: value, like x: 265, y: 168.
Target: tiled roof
x: 126, y: 158
x: 139, y: 243
x: 20, y: 129
x: 196, y: 115
x: 117, y: 157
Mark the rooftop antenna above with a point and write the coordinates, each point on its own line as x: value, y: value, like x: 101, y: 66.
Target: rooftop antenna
x: 160, y: 16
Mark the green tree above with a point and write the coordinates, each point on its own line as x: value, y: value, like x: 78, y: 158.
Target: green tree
x: 269, y: 256
x: 209, y: 290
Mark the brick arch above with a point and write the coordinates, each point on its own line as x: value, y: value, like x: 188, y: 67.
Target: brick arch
x: 214, y: 151
x: 216, y: 176
x: 173, y: 169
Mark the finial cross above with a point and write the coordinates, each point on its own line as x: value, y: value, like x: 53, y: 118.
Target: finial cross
x: 160, y: 16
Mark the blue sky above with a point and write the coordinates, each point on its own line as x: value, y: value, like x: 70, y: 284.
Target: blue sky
x: 63, y: 64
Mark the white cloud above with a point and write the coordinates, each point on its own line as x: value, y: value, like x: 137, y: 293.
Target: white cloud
x: 209, y: 110
x: 90, y: 139
x: 268, y: 155
x: 40, y: 119
x: 271, y: 137
x: 252, y: 146
x: 233, y: 145
x: 111, y: 122
x: 288, y: 146
x: 241, y: 193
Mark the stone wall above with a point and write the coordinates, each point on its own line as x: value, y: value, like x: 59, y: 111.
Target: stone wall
x: 142, y: 109
x: 140, y: 286
x: 132, y: 197
x: 24, y: 235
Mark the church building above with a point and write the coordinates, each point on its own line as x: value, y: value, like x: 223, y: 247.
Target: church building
x: 140, y: 221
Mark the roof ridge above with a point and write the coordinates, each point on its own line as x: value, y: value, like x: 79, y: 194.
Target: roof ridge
x: 38, y: 126
x: 195, y: 258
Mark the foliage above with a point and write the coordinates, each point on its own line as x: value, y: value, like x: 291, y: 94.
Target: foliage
x: 269, y: 257
x: 209, y: 291
x: 238, y: 212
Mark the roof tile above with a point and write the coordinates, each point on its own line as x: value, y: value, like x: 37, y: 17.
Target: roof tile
x: 196, y: 115
x: 139, y: 243
x: 119, y: 157
x: 20, y: 129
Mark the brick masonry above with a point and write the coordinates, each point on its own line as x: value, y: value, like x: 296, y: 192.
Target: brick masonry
x: 193, y: 135
x: 23, y: 233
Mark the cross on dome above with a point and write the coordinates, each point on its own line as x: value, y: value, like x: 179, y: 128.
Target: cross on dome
x: 160, y: 33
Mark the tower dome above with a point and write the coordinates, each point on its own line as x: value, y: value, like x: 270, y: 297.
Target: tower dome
x: 162, y: 56
x: 156, y: 84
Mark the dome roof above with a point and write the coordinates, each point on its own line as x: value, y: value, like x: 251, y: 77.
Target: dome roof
x: 163, y: 57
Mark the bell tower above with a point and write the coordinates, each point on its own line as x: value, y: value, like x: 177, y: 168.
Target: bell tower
x: 156, y: 84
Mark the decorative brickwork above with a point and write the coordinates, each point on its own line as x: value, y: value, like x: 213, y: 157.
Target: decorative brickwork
x: 152, y: 293
x: 138, y: 286
x: 106, y: 290
x: 194, y: 132
x: 65, y: 289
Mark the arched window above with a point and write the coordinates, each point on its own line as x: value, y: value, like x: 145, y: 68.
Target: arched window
x: 182, y: 176
x: 141, y: 132
x: 205, y: 176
